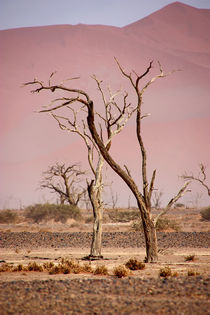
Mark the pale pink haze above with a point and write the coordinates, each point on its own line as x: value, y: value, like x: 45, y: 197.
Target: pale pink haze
x: 177, y: 134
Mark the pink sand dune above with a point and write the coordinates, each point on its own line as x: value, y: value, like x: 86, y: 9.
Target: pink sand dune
x: 177, y: 134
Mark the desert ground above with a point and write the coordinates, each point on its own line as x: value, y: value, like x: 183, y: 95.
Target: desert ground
x: 144, y: 291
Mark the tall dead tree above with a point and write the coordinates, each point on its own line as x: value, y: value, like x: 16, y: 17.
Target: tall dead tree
x: 113, y: 124
x: 65, y: 182
x: 73, y: 121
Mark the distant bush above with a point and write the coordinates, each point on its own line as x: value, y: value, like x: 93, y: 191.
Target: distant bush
x: 8, y: 216
x: 205, y: 214
x: 123, y: 215
x: 179, y: 205
x: 45, y: 212
x: 162, y: 225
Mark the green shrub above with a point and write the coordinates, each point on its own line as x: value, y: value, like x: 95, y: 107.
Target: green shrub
x: 162, y: 225
x: 45, y: 212
x: 8, y: 216
x: 205, y: 214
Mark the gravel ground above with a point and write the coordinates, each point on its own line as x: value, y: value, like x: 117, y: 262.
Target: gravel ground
x: 106, y: 296
x: 110, y: 239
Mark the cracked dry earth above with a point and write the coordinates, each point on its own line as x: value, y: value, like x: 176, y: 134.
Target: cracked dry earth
x: 142, y: 292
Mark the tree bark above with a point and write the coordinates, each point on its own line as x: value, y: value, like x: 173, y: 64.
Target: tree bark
x: 150, y: 237
x: 95, y: 250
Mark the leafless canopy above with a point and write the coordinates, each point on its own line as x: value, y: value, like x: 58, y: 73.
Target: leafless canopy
x: 65, y: 181
x: 200, y: 178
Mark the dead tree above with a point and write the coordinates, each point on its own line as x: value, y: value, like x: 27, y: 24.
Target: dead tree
x: 200, y: 178
x: 143, y: 198
x: 157, y: 199
x: 65, y: 182
x: 70, y: 122
x: 114, y: 120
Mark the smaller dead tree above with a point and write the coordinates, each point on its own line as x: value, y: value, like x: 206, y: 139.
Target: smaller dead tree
x: 157, y: 199
x: 65, y: 182
x: 200, y: 178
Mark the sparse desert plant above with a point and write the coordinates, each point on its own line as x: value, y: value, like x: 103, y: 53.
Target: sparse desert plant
x: 33, y: 266
x: 55, y: 270
x: 190, y: 257
x: 101, y: 270
x: 18, y: 268
x: 8, y: 216
x: 48, y: 265
x: 162, y: 225
x: 5, y: 267
x: 121, y: 271
x: 44, y: 212
x: 165, y: 272
x: 123, y: 215
x: 191, y: 273
x: 134, y: 264
x: 205, y: 214
x: 87, y: 268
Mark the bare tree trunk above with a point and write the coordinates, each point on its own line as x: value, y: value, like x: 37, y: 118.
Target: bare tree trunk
x: 150, y: 237
x: 95, y: 251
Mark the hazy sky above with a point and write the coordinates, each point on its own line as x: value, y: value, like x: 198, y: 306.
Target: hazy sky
x: 24, y: 13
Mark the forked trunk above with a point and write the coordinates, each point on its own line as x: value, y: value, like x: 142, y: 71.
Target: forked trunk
x: 150, y: 238
x: 95, y: 251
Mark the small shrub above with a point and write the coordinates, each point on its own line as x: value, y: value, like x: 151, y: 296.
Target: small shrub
x: 165, y: 272
x: 122, y: 215
x: 175, y: 274
x: 18, y: 268
x: 205, y: 214
x: 48, y: 265
x: 33, y: 266
x: 45, y: 212
x: 55, y: 270
x: 162, y: 225
x: 179, y: 205
x: 101, y: 270
x: 87, y: 268
x: 134, y: 264
x: 190, y: 258
x: 121, y: 271
x: 8, y: 216
x: 191, y: 273
x: 5, y: 267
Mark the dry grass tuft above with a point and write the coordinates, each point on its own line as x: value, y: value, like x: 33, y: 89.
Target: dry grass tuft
x: 191, y: 273
x: 121, y: 271
x: 134, y: 264
x: 101, y: 270
x: 165, y: 272
x: 5, y: 267
x: 33, y: 266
